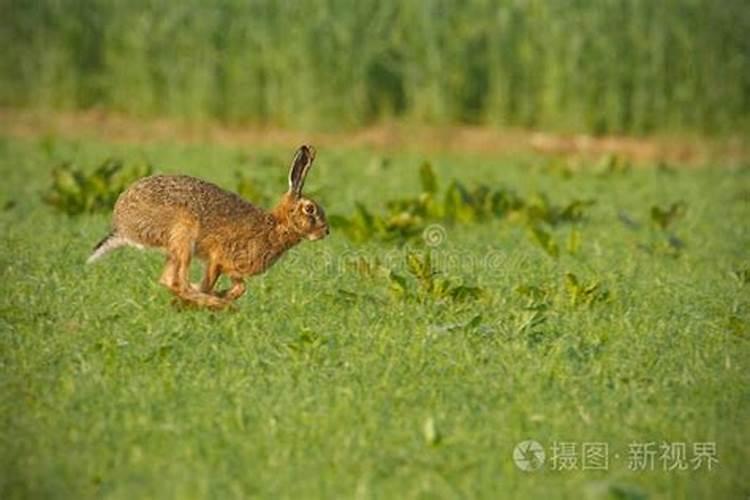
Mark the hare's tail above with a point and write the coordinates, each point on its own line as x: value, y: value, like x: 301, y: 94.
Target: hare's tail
x: 106, y: 245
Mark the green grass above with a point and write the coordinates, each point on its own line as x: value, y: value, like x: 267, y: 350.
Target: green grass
x: 613, y: 66
x: 109, y: 391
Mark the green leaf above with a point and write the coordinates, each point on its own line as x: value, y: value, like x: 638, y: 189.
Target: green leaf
x: 457, y: 206
x: 421, y: 268
x: 545, y: 241
x: 427, y: 178
x: 737, y: 326
x: 580, y: 294
x: 362, y: 217
x: 742, y: 276
x: 538, y: 209
x: 397, y: 285
x: 665, y: 217
x: 574, y: 241
x: 463, y: 293
x: 431, y: 433
x: 574, y: 211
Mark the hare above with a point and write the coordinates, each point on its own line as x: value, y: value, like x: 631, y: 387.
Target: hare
x: 186, y: 216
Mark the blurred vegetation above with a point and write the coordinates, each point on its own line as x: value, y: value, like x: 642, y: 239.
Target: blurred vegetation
x: 421, y: 217
x: 75, y: 191
x: 608, y: 66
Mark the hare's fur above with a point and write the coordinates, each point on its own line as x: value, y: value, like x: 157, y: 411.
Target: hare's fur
x: 187, y: 217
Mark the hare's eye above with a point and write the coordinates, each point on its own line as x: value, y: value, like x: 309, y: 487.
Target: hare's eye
x: 309, y: 209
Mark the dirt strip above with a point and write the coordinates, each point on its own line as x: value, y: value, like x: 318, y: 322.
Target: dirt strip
x: 112, y: 127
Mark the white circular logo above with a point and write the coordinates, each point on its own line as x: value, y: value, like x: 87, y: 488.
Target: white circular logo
x: 528, y: 455
x: 434, y: 235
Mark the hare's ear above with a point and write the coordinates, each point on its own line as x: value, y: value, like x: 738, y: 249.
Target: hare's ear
x: 301, y: 164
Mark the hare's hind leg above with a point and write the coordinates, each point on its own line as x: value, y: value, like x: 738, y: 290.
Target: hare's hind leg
x: 175, y: 275
x: 168, y: 277
x: 211, y: 276
x: 237, y: 289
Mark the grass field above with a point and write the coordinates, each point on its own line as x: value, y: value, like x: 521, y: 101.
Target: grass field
x: 323, y: 383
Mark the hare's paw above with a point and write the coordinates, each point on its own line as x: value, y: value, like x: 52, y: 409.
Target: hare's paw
x: 234, y: 292
x: 194, y: 299
x: 212, y: 302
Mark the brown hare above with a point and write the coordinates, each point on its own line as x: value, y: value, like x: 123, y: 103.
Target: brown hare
x: 186, y: 216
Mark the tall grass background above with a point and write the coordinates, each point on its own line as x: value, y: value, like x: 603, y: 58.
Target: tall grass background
x: 605, y: 66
